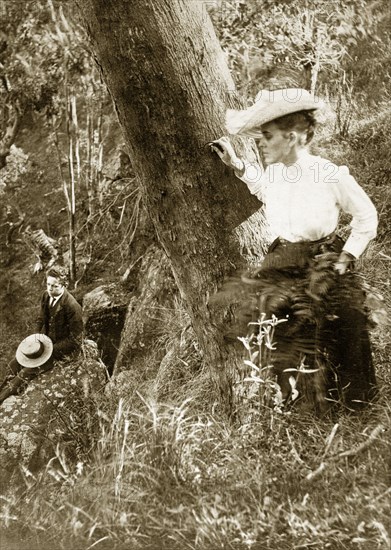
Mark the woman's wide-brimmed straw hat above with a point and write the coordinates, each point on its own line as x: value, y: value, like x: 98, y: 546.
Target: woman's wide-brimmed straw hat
x: 268, y: 106
x: 34, y: 351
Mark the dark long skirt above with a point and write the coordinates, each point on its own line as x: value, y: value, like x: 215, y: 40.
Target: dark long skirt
x: 327, y: 328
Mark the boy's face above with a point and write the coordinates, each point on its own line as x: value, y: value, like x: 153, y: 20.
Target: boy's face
x: 54, y: 286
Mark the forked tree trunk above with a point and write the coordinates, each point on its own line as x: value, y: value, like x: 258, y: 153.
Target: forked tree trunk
x: 170, y: 85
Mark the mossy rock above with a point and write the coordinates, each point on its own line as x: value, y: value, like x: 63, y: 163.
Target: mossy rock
x: 46, y: 415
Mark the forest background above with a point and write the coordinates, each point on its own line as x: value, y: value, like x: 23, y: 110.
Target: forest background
x: 151, y: 460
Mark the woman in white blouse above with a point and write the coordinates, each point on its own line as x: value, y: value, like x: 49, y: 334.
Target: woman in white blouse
x: 303, y: 196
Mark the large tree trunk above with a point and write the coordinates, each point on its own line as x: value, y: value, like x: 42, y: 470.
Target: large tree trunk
x: 170, y: 85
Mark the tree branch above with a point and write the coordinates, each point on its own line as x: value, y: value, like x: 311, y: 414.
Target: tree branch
x: 9, y: 136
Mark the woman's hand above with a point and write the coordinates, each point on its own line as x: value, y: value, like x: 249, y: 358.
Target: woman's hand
x: 227, y: 153
x: 344, y: 262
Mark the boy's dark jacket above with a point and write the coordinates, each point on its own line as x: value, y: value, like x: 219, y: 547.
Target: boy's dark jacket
x: 63, y: 323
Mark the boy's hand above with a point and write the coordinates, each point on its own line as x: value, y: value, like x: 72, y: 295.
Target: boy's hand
x: 227, y: 153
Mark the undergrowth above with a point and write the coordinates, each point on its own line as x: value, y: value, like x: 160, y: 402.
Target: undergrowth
x: 161, y: 477
x: 169, y: 477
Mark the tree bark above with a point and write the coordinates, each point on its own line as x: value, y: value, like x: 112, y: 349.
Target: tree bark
x: 156, y: 292
x: 9, y: 136
x: 170, y: 85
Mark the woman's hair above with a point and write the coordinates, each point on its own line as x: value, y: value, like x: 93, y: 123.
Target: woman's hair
x: 302, y: 121
x: 59, y: 272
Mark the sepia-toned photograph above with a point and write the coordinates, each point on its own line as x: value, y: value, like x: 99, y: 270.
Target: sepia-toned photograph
x: 195, y: 274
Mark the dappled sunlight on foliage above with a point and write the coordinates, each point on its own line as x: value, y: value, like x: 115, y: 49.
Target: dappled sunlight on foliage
x: 288, y: 44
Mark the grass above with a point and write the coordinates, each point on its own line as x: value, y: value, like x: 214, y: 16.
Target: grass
x: 162, y: 476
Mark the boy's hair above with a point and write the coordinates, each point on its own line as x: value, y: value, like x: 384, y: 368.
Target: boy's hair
x: 302, y: 121
x: 59, y: 272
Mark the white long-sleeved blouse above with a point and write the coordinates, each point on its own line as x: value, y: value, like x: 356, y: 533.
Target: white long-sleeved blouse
x: 303, y: 201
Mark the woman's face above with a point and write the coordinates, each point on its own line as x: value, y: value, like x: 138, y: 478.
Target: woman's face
x: 274, y: 144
